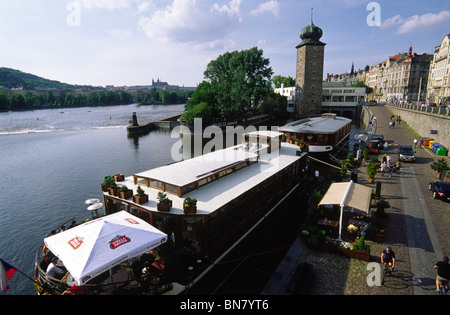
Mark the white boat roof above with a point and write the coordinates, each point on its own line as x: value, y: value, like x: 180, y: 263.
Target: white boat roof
x: 188, y: 171
x: 316, y: 125
x: 213, y: 196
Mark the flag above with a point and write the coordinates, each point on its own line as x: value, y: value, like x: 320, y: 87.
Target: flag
x: 6, y: 273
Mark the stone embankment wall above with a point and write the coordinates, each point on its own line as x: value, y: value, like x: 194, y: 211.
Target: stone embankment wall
x: 424, y: 122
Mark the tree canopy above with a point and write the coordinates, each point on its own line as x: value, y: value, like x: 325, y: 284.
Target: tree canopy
x: 235, y: 83
x: 287, y: 81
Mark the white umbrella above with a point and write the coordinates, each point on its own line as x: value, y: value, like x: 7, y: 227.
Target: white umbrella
x: 92, y: 201
x: 94, y: 247
x: 95, y: 207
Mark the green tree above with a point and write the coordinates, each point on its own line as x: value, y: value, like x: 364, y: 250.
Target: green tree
x: 369, y: 90
x: 239, y: 80
x: 4, y: 103
x: 202, y: 110
x: 276, y: 105
x: 287, y: 81
x: 201, y: 94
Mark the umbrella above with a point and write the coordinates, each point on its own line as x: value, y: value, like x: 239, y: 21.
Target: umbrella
x: 348, y: 194
x: 94, y: 247
x: 92, y: 201
x: 95, y: 207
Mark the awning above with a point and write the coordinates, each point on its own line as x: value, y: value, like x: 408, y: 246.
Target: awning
x: 348, y: 194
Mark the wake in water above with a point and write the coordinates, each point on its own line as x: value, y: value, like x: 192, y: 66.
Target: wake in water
x: 78, y: 119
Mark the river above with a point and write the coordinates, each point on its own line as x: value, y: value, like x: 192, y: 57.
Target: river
x: 51, y: 161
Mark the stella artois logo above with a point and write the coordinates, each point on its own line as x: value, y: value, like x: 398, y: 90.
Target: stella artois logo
x: 119, y: 241
x: 76, y: 242
x: 132, y: 221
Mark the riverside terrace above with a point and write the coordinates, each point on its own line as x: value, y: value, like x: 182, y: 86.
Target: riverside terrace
x: 417, y: 230
x: 235, y: 189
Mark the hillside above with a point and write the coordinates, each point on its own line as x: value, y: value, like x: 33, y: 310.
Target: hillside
x: 11, y: 78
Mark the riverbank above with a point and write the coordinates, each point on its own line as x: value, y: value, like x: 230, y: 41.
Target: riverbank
x: 416, y: 231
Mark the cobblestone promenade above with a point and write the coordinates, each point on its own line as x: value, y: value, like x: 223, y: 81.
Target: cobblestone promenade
x: 417, y: 229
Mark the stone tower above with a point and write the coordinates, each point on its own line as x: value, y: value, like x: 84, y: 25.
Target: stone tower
x: 310, y: 59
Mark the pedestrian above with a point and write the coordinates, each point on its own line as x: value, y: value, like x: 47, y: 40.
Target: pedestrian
x: 383, y: 168
x: 443, y: 273
x: 386, y: 146
x: 388, y: 160
x: 421, y: 143
x: 391, y: 169
x: 393, y: 123
x: 415, y: 143
x: 390, y: 124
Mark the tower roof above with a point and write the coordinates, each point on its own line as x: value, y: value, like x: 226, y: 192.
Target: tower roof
x: 311, y: 34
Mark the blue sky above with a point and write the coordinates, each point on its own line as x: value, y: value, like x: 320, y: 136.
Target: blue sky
x: 131, y: 42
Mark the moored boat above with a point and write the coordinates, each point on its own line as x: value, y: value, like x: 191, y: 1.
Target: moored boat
x: 319, y: 134
x: 215, y: 200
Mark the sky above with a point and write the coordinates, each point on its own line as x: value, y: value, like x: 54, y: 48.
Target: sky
x: 131, y: 42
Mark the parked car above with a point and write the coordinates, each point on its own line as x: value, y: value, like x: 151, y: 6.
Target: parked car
x: 441, y: 190
x: 406, y: 154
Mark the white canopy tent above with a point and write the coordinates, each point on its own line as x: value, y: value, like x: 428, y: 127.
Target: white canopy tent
x: 348, y: 194
x: 94, y: 247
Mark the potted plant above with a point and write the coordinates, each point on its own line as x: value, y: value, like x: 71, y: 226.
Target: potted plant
x: 140, y: 197
x: 365, y: 154
x: 107, y: 181
x: 119, y: 177
x: 440, y: 166
x: 190, y: 205
x: 380, y: 232
x: 371, y: 171
x: 113, y: 189
x: 124, y: 192
x: 164, y: 203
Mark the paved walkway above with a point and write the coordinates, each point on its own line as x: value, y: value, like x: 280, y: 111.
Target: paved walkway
x: 417, y: 231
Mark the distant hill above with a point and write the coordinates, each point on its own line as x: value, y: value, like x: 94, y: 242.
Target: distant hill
x: 11, y: 78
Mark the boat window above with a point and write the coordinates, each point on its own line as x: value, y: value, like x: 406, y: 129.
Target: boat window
x: 188, y: 188
x: 225, y: 172
x: 155, y: 184
x: 171, y: 189
x: 206, y: 180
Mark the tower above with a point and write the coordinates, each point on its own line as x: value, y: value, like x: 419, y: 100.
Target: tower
x: 310, y: 59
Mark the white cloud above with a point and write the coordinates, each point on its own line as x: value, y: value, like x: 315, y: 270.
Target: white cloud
x: 417, y: 23
x: 272, y: 6
x: 106, y: 4
x: 396, y: 20
x: 192, y: 21
x: 145, y: 6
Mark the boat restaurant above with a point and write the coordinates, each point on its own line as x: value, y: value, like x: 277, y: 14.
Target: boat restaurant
x: 216, y: 198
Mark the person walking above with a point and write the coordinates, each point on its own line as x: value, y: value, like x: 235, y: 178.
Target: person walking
x: 415, y: 143
x: 383, y: 168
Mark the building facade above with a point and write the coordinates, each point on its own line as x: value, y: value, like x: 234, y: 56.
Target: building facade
x: 438, y: 87
x: 400, y: 78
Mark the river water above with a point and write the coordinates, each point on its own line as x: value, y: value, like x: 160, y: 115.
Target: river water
x: 51, y: 161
